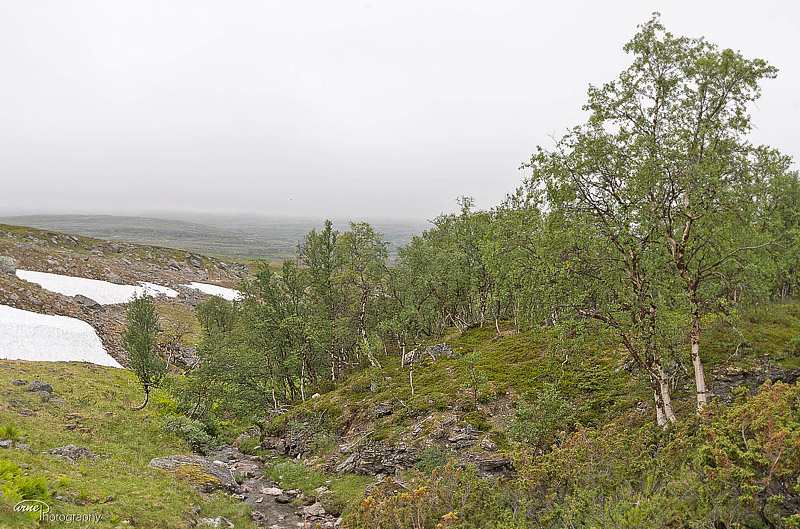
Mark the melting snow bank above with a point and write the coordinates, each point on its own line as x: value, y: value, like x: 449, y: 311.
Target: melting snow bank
x: 102, y: 292
x: 213, y: 290
x: 41, y: 338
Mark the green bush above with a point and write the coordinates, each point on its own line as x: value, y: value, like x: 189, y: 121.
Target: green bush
x: 193, y: 432
x: 542, y: 420
x: 432, y: 458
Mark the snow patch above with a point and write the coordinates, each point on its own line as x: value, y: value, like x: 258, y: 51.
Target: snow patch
x: 36, y: 337
x: 214, y: 290
x: 102, y: 292
x: 152, y: 288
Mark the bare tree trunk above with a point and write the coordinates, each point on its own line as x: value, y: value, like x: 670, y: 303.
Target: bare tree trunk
x: 302, y: 378
x: 362, y: 323
x: 699, y: 376
x: 661, y: 420
x: 666, y: 400
x: 146, y: 399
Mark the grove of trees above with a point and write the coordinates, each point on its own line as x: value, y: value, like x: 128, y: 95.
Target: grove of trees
x: 656, y: 211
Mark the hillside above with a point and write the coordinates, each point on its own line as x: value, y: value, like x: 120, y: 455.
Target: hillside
x: 237, y: 236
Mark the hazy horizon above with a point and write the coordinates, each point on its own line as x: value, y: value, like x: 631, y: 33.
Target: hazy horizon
x: 324, y: 110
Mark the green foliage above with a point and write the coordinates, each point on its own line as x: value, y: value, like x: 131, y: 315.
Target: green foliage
x: 140, y: 340
x: 736, y: 466
x: 10, y: 431
x: 431, y: 458
x: 192, y: 431
x: 542, y: 420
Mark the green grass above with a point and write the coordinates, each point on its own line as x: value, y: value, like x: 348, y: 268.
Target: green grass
x: 95, y: 413
x: 343, y: 489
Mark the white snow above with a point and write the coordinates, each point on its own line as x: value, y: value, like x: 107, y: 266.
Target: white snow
x: 151, y: 288
x: 214, y: 290
x: 102, y: 292
x: 38, y: 337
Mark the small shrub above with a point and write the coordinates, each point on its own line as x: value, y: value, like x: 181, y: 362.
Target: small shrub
x: 10, y: 431
x: 432, y: 458
x: 540, y: 421
x: 191, y: 431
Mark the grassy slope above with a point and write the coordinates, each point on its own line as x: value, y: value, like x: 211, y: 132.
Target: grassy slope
x: 592, y: 379
x: 120, y: 488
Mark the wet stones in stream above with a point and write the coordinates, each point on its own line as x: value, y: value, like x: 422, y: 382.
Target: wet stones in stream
x: 273, y: 507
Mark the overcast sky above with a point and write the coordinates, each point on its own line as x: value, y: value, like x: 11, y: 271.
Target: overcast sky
x: 329, y: 108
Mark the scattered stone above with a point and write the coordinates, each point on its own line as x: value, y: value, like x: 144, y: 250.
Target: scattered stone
x: 463, y: 437
x: 372, y: 459
x: 283, y: 499
x: 18, y: 382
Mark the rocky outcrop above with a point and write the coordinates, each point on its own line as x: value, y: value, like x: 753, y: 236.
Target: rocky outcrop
x: 490, y: 466
x: 726, y: 379
x: 372, y: 459
x: 432, y: 351
x: 205, y: 475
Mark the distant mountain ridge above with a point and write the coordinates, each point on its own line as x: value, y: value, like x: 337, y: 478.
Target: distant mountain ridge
x: 237, y: 236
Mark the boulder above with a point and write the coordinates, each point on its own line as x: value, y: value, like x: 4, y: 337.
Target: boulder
x: 39, y: 386
x: 198, y: 471
x: 73, y: 453
x: 314, y: 510
x: 89, y: 303
x: 8, y: 265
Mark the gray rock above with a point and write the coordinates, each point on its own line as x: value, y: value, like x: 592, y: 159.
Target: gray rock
x: 314, y: 510
x: 463, y: 437
x: 8, y: 265
x: 219, y: 521
x: 490, y: 466
x: 73, y: 453
x: 488, y: 445
x: 38, y: 385
x: 89, y: 303
x: 433, y: 351
x: 283, y: 499
x: 372, y: 459
x: 198, y: 471
x: 382, y: 410
x: 17, y: 382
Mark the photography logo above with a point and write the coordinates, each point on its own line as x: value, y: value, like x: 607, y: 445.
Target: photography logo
x: 43, y: 509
